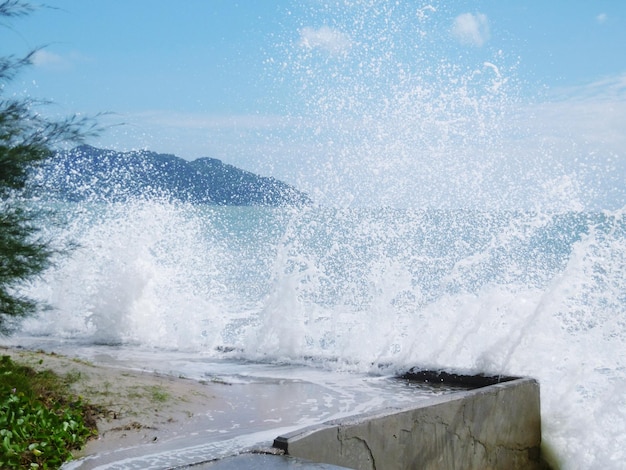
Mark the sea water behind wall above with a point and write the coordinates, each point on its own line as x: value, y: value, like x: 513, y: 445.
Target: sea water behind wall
x: 364, y: 290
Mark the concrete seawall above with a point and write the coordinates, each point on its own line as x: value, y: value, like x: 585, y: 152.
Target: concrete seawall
x: 497, y: 426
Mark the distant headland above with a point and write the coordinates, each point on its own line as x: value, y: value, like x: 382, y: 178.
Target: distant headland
x: 90, y: 173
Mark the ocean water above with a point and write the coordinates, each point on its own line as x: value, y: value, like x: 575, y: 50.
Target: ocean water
x: 362, y: 290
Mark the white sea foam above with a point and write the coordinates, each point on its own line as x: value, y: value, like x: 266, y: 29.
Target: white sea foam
x: 361, y: 290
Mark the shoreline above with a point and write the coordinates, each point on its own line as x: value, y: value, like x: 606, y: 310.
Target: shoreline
x: 174, y: 422
x: 134, y: 407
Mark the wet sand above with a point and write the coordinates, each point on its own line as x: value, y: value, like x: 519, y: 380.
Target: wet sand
x: 155, y: 416
x: 138, y: 407
x: 156, y: 420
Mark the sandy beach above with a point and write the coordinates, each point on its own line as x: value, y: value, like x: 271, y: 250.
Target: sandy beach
x: 154, y: 419
x: 137, y: 407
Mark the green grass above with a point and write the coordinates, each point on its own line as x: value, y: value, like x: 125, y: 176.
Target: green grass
x: 40, y: 422
x: 158, y: 394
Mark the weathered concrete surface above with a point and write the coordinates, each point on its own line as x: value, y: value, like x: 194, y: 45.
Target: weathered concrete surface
x: 257, y: 461
x: 493, y: 427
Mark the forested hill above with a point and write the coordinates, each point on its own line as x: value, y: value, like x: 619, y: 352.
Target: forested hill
x: 89, y: 173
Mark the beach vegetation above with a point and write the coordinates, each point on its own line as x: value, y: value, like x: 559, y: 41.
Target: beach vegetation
x: 158, y: 394
x: 27, y: 138
x: 41, y: 422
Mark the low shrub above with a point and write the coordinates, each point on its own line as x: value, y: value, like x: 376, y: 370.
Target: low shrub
x: 40, y: 422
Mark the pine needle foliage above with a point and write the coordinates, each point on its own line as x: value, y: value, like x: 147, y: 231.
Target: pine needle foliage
x: 27, y: 138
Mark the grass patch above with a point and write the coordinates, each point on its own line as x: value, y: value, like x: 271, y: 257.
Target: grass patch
x: 158, y: 394
x: 153, y: 393
x: 40, y: 422
x: 73, y: 376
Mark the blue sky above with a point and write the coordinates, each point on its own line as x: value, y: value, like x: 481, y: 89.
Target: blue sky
x: 443, y: 101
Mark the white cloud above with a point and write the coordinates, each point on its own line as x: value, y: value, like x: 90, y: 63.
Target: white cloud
x: 601, y: 18
x: 201, y: 121
x: 50, y: 60
x: 572, y: 142
x: 472, y: 30
x: 581, y: 129
x: 44, y: 58
x: 325, y: 38
x: 595, y: 114
x: 236, y: 139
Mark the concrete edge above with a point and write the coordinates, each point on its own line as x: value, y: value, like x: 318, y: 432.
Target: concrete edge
x: 493, y: 426
x: 282, y: 442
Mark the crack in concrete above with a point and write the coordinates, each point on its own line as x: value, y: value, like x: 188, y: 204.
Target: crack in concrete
x: 367, y: 447
x: 479, y: 432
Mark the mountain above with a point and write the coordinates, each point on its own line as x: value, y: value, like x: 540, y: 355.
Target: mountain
x: 91, y: 173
